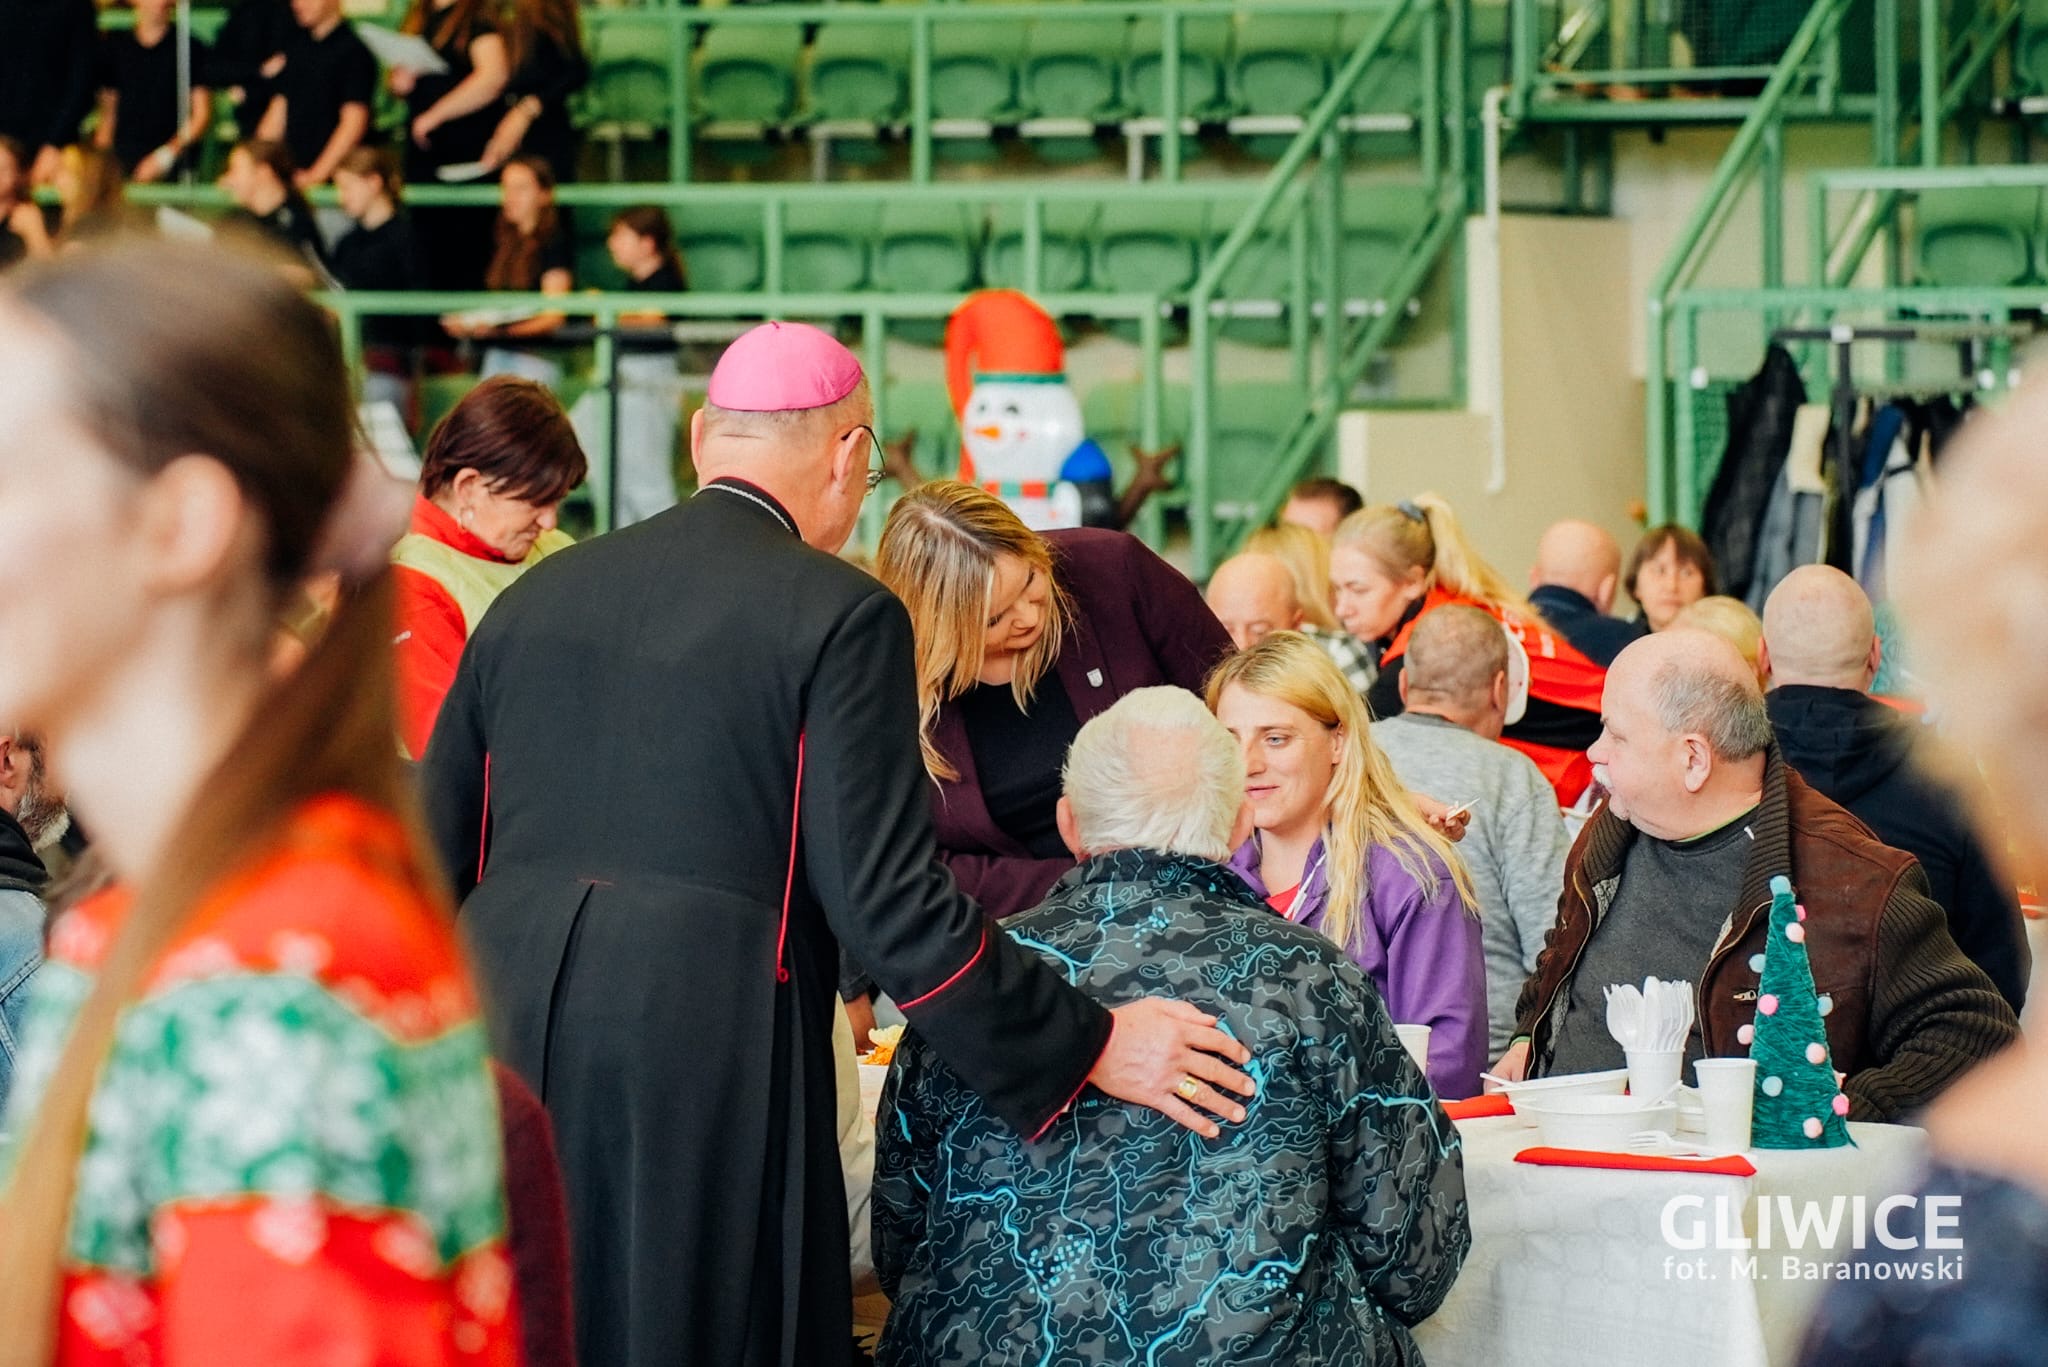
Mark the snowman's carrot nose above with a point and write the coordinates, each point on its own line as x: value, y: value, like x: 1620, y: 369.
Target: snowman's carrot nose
x: 989, y: 432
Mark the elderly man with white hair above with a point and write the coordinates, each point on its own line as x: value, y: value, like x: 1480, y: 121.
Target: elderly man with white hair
x: 1317, y: 1230
x: 1820, y: 652
x: 1672, y: 876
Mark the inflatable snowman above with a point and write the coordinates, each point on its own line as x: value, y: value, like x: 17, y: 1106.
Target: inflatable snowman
x: 1025, y: 444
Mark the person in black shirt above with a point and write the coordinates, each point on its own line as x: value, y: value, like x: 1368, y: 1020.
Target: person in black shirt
x: 321, y: 108
x: 544, y: 44
x: 269, y: 205
x: 246, y: 57
x: 46, y: 76
x: 139, y: 114
x: 531, y: 251
x: 643, y: 245
x: 450, y: 116
x: 378, y: 252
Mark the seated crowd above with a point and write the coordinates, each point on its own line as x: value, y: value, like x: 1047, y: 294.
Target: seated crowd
x: 1152, y: 1103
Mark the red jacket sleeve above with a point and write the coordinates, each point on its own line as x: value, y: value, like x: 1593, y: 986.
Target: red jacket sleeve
x: 431, y: 634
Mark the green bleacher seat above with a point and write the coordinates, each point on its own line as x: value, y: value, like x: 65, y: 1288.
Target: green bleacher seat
x: 1283, y: 62
x: 922, y: 406
x: 1259, y: 289
x: 857, y: 72
x: 721, y: 249
x: 746, y: 73
x: 1205, y: 46
x: 1063, y: 263
x: 974, y: 70
x: 1379, y: 220
x: 927, y: 248
x: 825, y: 250
x: 1070, y: 68
x: 1977, y: 237
x: 1149, y: 248
x: 629, y: 74
x: 1251, y: 419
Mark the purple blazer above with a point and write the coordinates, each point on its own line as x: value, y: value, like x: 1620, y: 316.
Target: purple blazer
x: 1421, y: 948
x: 1137, y: 621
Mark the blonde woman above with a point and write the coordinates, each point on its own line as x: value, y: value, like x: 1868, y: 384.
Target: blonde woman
x: 1731, y: 620
x: 1020, y: 638
x: 1393, y: 562
x: 1339, y: 846
x: 1306, y: 553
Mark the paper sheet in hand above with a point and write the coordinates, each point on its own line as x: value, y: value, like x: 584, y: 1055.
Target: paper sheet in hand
x: 461, y: 171
x: 401, y: 49
x: 180, y: 226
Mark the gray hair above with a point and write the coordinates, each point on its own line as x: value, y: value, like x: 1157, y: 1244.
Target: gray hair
x: 1455, y: 653
x: 856, y: 408
x: 1155, y: 772
x: 1729, y: 712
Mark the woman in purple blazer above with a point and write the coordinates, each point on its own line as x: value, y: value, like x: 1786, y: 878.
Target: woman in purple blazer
x: 1021, y: 638
x: 1338, y: 846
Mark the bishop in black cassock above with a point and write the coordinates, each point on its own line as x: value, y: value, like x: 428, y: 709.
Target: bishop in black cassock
x: 678, y: 764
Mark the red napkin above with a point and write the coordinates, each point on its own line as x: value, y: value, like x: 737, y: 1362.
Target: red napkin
x: 1734, y: 1165
x: 1480, y: 1107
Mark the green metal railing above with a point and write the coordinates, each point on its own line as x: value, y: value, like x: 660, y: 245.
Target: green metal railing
x: 1302, y: 197
x: 1552, y: 61
x: 1690, y: 465
x: 874, y: 311
x: 1757, y: 152
x: 1957, y: 46
x: 920, y: 24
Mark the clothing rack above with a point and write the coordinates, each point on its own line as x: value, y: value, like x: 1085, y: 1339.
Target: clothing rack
x: 1844, y: 392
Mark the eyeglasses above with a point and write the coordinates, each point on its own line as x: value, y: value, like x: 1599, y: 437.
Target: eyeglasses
x: 874, y: 476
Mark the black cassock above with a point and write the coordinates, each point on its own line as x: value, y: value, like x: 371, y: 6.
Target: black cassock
x: 612, y: 783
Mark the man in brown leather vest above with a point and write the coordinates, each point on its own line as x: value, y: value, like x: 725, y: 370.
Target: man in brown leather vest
x: 1671, y: 877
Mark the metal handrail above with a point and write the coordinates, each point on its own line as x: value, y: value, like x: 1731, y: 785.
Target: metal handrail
x: 1735, y: 167
x: 874, y: 310
x: 1880, y: 202
x: 1317, y: 137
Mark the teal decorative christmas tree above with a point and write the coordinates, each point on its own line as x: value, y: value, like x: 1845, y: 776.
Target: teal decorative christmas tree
x: 1798, y: 1104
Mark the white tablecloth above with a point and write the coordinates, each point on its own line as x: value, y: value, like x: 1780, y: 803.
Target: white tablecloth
x: 1570, y: 1267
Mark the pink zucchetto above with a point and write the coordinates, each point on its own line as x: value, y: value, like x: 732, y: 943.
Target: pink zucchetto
x: 780, y: 367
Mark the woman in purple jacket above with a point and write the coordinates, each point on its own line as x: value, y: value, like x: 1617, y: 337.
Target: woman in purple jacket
x: 1020, y: 638
x: 1338, y: 845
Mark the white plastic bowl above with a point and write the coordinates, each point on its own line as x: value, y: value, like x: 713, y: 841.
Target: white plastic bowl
x: 1540, y: 1090
x: 1598, y: 1122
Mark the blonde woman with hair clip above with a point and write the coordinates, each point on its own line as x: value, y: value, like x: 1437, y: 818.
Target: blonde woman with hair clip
x: 1393, y: 562
x: 1339, y: 846
x: 1021, y: 637
x: 1306, y: 553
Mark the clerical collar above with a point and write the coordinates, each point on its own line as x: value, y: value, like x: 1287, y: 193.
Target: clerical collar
x: 760, y: 498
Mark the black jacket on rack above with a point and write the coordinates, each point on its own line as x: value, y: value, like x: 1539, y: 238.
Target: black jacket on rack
x: 1760, y: 417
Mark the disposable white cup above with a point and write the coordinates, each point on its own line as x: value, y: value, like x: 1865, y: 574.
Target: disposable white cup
x: 1415, y: 1039
x: 1653, y: 1072
x: 1727, y: 1095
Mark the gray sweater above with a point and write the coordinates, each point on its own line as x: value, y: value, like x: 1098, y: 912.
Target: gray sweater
x: 1514, y: 847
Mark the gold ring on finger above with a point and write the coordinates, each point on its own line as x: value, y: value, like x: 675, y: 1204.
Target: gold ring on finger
x: 1188, y: 1088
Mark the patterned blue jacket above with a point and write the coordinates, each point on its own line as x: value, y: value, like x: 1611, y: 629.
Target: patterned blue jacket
x: 1316, y: 1231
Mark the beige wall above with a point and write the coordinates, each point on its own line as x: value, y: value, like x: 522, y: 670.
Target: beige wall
x: 1573, y: 408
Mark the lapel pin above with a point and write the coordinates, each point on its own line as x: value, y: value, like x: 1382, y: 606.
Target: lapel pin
x: 1095, y: 678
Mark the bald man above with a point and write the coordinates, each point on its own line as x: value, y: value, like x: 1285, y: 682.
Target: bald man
x: 1820, y: 653
x: 1572, y: 583
x: 1253, y: 595
x: 1671, y: 878
x: 673, y: 774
